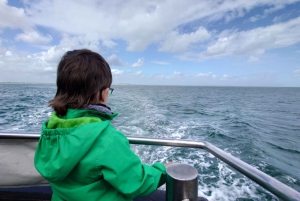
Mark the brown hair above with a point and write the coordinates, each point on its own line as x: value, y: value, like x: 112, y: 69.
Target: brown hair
x: 80, y: 75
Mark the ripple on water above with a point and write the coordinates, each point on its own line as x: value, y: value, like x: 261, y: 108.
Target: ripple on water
x: 236, y: 119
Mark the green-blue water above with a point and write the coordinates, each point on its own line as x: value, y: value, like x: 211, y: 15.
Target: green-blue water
x: 261, y: 126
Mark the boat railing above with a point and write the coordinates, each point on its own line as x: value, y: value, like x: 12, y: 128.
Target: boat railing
x: 274, y: 186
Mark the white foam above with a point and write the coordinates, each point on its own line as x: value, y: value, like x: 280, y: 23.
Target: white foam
x: 291, y: 179
x: 49, y: 114
x: 227, y: 187
x: 229, y: 184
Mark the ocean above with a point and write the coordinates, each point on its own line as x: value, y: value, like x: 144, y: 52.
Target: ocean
x: 260, y: 126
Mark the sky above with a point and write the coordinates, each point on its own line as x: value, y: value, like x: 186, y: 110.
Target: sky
x: 156, y: 42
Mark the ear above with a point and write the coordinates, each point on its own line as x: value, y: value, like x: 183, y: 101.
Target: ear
x: 99, y: 97
x: 103, y: 95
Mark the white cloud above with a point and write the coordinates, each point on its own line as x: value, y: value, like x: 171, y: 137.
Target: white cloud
x: 253, y: 58
x: 50, y: 69
x: 8, y: 53
x: 114, y: 60
x: 34, y: 38
x: 177, y: 74
x: 253, y: 42
x: 12, y: 17
x: 268, y: 11
x: 157, y: 76
x: 176, y: 42
x: 21, y: 67
x: 160, y: 62
x: 225, y: 77
x: 206, y: 75
x: 138, y: 73
x: 256, y: 55
x: 109, y: 43
x: 297, y: 72
x: 52, y: 55
x: 41, y: 66
x: 151, y: 21
x: 255, y: 18
x: 277, y: 19
x: 139, y: 63
x: 67, y: 43
x: 2, y: 49
x: 276, y: 7
x: 117, y: 72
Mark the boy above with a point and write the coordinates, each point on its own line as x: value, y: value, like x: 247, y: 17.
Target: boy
x: 81, y: 155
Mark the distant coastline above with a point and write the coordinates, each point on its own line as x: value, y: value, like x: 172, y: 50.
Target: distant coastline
x: 128, y: 84
x: 28, y: 83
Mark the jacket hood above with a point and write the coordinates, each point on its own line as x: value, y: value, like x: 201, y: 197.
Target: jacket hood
x: 65, y: 141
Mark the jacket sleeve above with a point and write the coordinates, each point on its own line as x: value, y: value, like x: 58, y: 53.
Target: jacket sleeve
x: 123, y: 169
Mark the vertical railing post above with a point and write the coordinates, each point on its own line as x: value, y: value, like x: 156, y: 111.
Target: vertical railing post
x: 182, y: 183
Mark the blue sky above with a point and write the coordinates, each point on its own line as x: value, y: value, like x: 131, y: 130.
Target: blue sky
x: 160, y: 42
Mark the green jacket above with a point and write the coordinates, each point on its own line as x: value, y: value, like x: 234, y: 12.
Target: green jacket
x: 84, y: 158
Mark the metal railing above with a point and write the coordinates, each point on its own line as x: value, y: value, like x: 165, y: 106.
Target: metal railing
x: 274, y: 186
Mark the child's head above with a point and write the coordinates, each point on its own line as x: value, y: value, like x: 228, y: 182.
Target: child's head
x: 80, y: 76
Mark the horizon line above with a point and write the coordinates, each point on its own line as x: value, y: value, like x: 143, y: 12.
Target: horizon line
x: 128, y: 84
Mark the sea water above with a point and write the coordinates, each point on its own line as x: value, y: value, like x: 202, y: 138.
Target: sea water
x: 260, y: 126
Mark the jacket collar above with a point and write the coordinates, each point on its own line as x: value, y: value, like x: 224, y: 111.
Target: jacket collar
x: 99, y: 107
x: 89, y: 112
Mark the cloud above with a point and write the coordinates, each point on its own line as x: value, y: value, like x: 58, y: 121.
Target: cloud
x: 178, y: 74
x: 206, y: 75
x: 176, y: 42
x: 157, y: 76
x: 225, y: 77
x: 255, y: 18
x: 268, y: 11
x: 256, y: 55
x: 67, y: 43
x: 8, y: 53
x: 21, y: 67
x: 2, y: 49
x: 157, y: 19
x: 138, y: 73
x: 252, y: 42
x: 117, y: 72
x: 14, y: 18
x: 139, y: 63
x: 277, y: 19
x: 276, y: 7
x: 109, y: 43
x: 33, y: 38
x: 160, y: 62
x: 107, y: 28
x: 50, y: 69
x: 52, y: 55
x: 297, y: 72
x: 114, y: 60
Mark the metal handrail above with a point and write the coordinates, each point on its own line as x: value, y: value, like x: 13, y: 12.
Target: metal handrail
x: 269, y: 183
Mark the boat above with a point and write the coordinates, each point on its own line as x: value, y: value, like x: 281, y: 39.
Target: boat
x: 20, y: 180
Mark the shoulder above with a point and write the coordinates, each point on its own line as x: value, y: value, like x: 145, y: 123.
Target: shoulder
x: 116, y: 136
x: 107, y: 134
